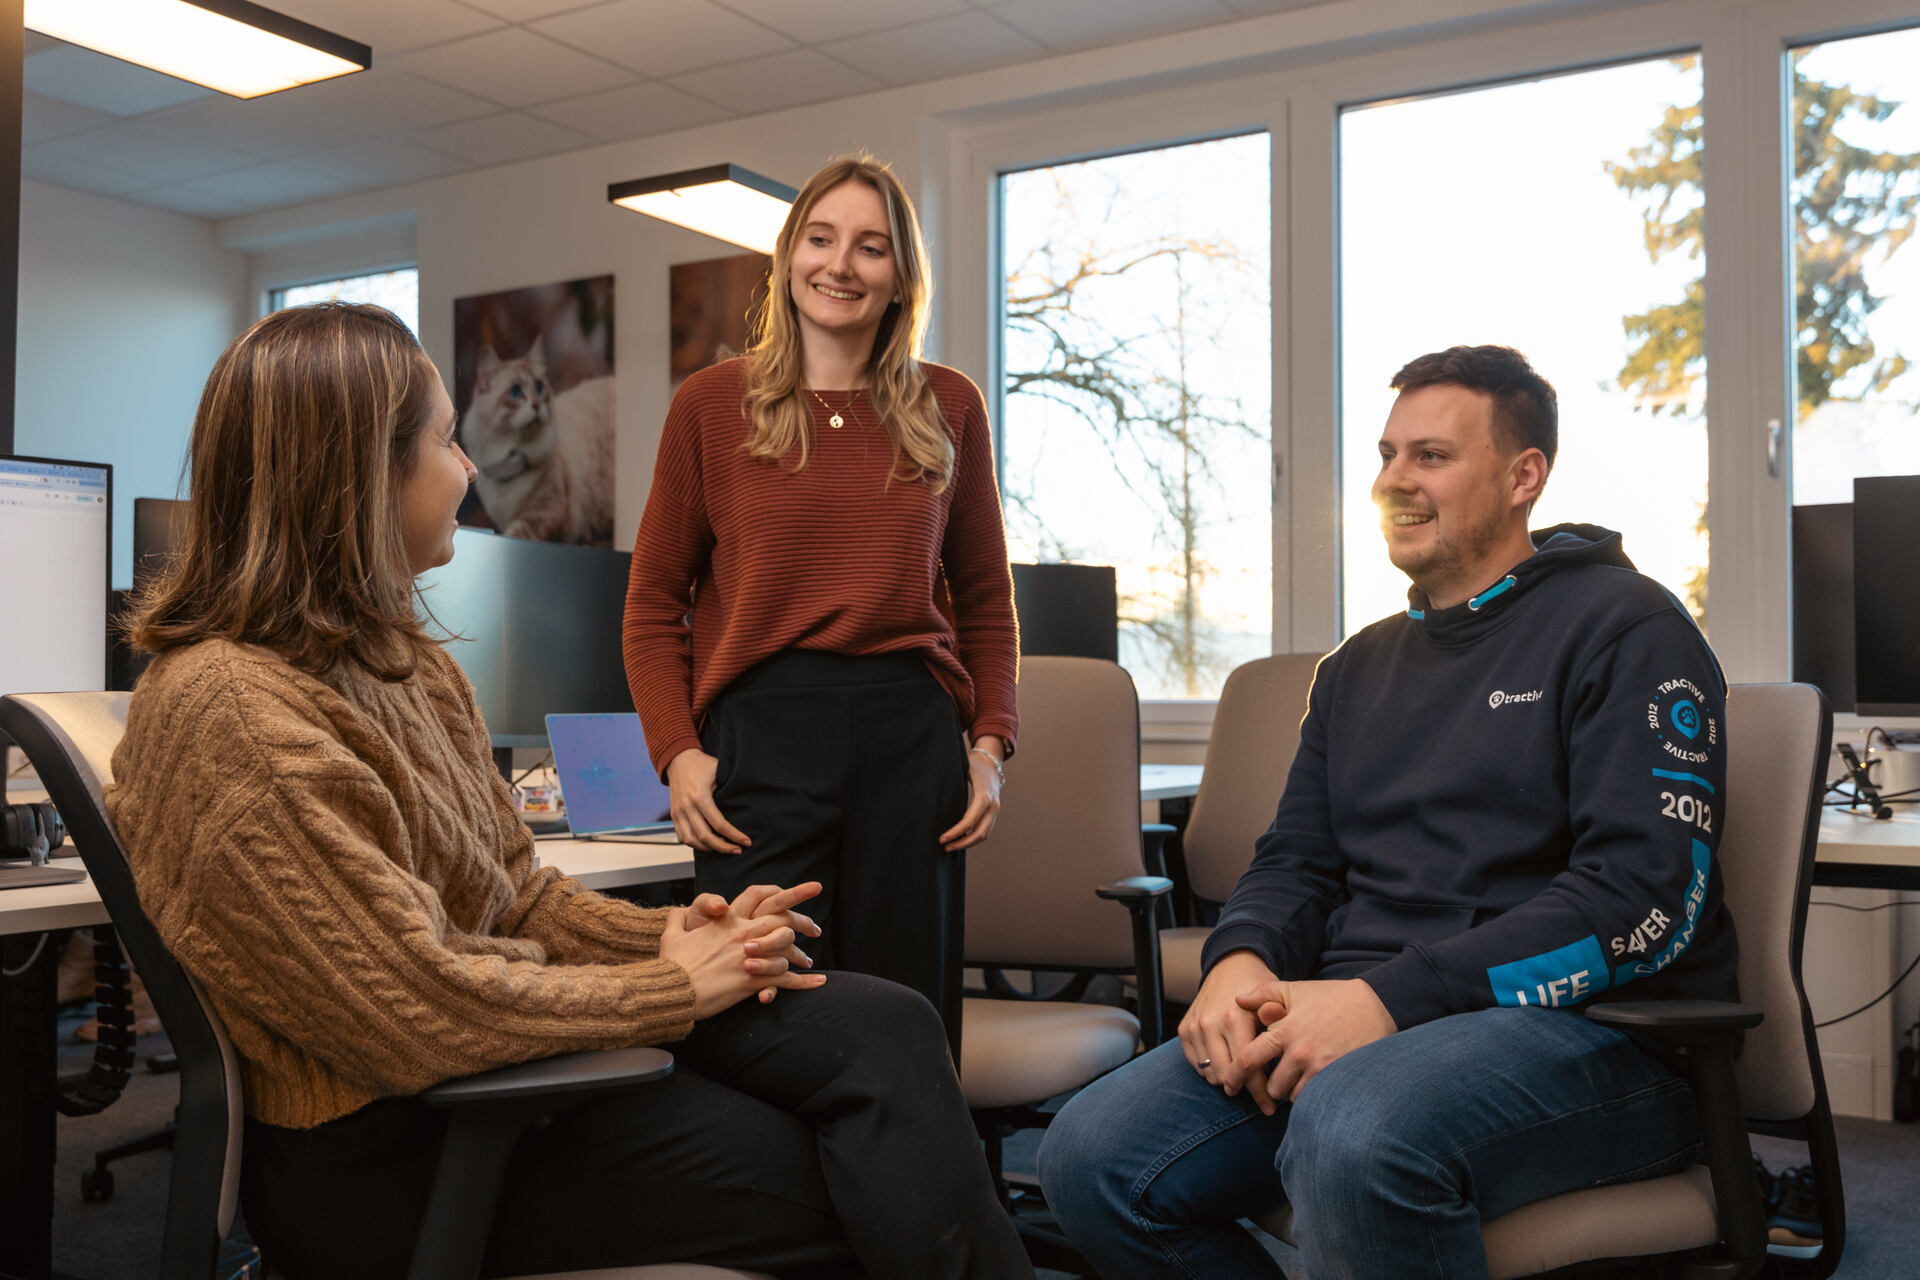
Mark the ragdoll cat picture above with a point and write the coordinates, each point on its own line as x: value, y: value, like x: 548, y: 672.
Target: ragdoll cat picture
x: 545, y: 457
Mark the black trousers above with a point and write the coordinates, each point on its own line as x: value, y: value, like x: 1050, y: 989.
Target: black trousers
x: 846, y: 770
x: 823, y: 1135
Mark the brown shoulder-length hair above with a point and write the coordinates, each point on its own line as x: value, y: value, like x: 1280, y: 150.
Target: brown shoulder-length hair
x: 292, y: 539
x: 776, y: 403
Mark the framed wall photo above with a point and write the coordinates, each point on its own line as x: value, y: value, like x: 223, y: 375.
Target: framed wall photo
x: 711, y: 302
x: 533, y: 387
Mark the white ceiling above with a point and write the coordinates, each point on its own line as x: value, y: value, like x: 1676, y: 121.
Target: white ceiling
x: 464, y: 84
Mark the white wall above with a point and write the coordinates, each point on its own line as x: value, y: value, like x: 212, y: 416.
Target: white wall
x: 123, y: 309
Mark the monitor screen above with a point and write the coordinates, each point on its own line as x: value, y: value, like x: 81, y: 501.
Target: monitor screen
x: 56, y: 528
x: 540, y: 623
x: 1823, y: 600
x: 1886, y: 595
x: 1071, y: 610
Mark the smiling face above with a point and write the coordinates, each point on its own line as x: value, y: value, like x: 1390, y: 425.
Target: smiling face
x: 436, y: 480
x: 842, y: 274
x: 1453, y: 501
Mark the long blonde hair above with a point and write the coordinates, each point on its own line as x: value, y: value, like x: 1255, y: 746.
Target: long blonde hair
x: 896, y: 384
x: 308, y: 426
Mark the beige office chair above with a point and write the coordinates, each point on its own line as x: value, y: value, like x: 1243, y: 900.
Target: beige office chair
x: 1707, y: 1221
x: 1256, y: 730
x: 70, y: 738
x: 1040, y: 897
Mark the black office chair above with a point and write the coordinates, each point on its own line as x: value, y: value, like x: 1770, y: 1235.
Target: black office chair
x: 70, y: 738
x: 1707, y: 1222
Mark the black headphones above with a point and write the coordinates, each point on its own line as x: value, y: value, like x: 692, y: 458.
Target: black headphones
x: 30, y: 830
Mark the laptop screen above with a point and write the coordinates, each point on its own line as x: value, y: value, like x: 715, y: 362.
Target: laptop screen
x: 605, y: 776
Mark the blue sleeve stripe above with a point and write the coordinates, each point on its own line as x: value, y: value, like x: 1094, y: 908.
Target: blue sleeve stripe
x: 1685, y: 777
x: 1563, y: 976
x: 1696, y: 897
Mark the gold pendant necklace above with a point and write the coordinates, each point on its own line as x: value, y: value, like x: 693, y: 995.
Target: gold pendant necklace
x: 834, y: 419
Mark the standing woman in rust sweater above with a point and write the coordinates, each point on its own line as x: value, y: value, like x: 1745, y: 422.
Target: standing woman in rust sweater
x: 819, y: 631
x: 318, y: 834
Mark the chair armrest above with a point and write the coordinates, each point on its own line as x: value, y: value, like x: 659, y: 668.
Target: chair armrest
x: 1140, y: 895
x: 593, y: 1071
x: 1707, y: 1032
x: 1153, y: 846
x: 1678, y: 1022
x: 1135, y: 889
x: 488, y: 1113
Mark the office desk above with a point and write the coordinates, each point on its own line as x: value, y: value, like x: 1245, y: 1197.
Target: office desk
x: 1170, y: 781
x: 28, y: 1009
x: 1860, y: 852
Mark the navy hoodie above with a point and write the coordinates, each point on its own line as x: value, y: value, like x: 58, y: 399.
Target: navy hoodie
x: 1514, y: 801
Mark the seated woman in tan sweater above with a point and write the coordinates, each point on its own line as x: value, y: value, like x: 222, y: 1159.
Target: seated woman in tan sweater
x: 319, y: 834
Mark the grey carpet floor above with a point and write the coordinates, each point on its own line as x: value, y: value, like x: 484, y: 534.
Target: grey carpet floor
x: 120, y: 1238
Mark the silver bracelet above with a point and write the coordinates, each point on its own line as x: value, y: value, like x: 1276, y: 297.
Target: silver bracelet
x: 999, y: 770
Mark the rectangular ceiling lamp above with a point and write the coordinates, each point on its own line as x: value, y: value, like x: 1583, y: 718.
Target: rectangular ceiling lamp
x: 235, y: 46
x: 722, y: 200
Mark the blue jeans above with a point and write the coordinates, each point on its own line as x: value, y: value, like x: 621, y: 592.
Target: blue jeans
x: 1390, y: 1158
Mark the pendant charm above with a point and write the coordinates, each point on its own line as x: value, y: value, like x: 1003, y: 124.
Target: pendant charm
x: 836, y: 422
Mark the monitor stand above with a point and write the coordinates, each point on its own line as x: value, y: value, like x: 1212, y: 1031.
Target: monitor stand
x: 18, y: 873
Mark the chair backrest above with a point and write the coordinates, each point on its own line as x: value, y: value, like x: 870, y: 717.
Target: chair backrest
x: 1069, y: 822
x: 1256, y: 730
x: 1777, y: 741
x: 70, y: 738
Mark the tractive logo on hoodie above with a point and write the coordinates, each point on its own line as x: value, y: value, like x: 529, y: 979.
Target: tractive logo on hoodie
x: 1499, y: 698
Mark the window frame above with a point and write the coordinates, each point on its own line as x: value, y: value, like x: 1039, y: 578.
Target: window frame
x: 1744, y: 46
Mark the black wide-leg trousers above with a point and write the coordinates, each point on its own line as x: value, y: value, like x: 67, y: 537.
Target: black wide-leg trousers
x: 821, y: 1136
x: 846, y: 770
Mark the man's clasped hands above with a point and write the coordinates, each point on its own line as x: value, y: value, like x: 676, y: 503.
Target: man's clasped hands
x: 1249, y: 1029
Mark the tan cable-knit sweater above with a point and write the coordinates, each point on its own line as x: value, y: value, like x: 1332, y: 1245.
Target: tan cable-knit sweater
x: 340, y: 866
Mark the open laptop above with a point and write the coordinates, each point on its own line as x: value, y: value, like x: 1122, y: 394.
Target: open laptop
x: 606, y: 778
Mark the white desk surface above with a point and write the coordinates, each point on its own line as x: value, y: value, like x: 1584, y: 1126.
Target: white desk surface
x: 1168, y: 781
x: 1858, y: 838
x: 598, y: 864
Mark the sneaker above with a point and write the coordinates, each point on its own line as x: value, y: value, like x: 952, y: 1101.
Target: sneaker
x: 1793, y: 1224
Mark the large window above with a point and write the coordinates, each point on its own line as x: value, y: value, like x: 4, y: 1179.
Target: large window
x: 1136, y: 343
x: 1561, y: 216
x: 397, y: 290
x: 1856, y: 319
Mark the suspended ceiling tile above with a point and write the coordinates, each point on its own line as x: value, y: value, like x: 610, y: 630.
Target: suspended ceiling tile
x: 42, y: 118
x: 1070, y: 25
x: 664, y: 39
x: 504, y: 138
x: 268, y: 186
x: 770, y: 84
x: 182, y: 198
x: 386, y: 101
x: 390, y: 26
x: 149, y: 148
x: 825, y: 20
x: 514, y: 67
x: 935, y: 48
x: 528, y: 10
x: 261, y: 127
x: 90, y: 79
x: 382, y: 162
x: 632, y: 112
x: 43, y: 166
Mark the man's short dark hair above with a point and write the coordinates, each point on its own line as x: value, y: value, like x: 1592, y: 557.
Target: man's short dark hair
x: 1526, y: 413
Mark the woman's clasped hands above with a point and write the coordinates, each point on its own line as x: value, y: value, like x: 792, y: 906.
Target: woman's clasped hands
x: 749, y: 946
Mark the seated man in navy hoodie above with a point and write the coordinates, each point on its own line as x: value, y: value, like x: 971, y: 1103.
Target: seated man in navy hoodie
x: 1504, y: 807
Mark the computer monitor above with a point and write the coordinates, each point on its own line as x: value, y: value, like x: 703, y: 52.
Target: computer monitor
x: 56, y: 534
x: 1068, y: 609
x: 541, y: 627
x: 1886, y: 595
x: 1823, y: 599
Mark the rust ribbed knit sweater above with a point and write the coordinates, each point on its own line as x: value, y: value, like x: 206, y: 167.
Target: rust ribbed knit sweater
x: 840, y: 556
x: 340, y: 866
